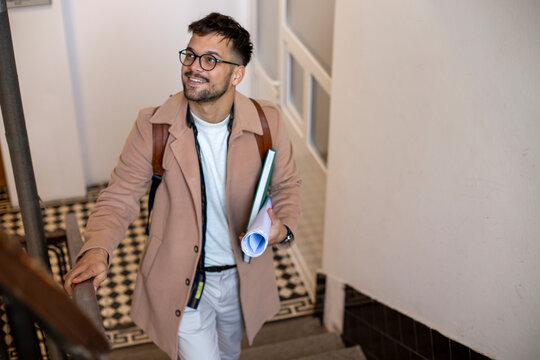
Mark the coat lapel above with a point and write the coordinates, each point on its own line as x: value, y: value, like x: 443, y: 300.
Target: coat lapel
x: 183, y: 151
x: 182, y: 145
x: 246, y: 117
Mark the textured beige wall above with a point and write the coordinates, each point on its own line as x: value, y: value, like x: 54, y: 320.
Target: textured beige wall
x: 433, y: 200
x: 42, y: 63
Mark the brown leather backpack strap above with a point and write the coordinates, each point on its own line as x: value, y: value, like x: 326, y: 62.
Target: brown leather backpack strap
x: 264, y: 142
x: 160, y: 134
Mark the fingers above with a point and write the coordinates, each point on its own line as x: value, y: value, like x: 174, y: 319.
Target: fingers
x: 82, y: 273
x: 85, y: 275
x: 98, y: 279
x: 92, y: 265
x: 76, y: 276
x: 272, y: 215
x: 73, y: 274
x: 276, y: 222
x: 276, y: 230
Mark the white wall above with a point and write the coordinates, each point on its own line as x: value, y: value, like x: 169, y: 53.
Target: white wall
x: 104, y: 60
x: 42, y: 60
x: 433, y: 200
x: 126, y: 58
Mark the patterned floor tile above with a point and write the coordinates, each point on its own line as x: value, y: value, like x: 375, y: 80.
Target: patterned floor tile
x: 114, y: 294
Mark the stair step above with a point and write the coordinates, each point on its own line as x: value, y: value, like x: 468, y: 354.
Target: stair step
x: 138, y: 352
x: 278, y: 331
x: 350, y: 353
x: 292, y: 349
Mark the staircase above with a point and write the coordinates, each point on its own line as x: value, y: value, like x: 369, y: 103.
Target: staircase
x: 302, y: 338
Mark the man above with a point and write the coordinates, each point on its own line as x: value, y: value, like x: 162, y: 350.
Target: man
x: 194, y: 293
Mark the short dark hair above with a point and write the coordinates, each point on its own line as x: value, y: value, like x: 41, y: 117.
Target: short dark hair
x: 227, y: 27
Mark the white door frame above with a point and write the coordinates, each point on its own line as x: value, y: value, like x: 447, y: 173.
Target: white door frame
x: 279, y: 90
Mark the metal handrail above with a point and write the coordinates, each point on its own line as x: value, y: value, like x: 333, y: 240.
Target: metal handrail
x: 83, y: 294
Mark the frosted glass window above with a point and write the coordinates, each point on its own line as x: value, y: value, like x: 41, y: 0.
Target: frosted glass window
x: 313, y: 22
x: 267, y: 36
x: 320, y: 116
x: 296, y: 85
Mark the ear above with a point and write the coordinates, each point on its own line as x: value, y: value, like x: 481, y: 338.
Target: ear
x: 238, y: 75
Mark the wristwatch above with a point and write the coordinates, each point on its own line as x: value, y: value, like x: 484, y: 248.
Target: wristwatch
x: 288, y: 238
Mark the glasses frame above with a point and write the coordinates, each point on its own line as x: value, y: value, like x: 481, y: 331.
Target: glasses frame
x: 185, y: 51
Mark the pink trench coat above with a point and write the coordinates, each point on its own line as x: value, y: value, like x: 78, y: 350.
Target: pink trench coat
x: 172, y: 249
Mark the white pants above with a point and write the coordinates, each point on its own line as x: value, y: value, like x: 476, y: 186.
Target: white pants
x: 214, y: 330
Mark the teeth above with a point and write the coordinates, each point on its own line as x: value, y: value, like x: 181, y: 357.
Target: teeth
x: 196, y: 80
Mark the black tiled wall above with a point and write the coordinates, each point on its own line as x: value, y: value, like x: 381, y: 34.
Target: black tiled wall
x: 319, y: 296
x: 386, y: 334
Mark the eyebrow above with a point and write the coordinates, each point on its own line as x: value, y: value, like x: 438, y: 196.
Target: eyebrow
x: 206, y: 53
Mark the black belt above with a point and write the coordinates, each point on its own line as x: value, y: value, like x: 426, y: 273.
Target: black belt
x: 218, y: 268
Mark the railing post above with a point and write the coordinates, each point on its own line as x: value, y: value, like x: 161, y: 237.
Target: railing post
x: 23, y: 330
x: 19, y: 149
x: 4, y: 355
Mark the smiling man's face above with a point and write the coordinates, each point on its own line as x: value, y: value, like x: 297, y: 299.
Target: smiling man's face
x: 208, y: 86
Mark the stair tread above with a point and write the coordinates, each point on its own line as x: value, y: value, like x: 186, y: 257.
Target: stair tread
x: 295, y: 348
x: 138, y: 352
x: 350, y: 353
x: 278, y: 331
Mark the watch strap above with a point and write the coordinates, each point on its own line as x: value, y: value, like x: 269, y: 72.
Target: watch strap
x: 288, y: 238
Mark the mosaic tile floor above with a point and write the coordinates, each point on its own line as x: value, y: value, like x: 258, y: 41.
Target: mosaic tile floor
x: 310, y: 231
x: 114, y: 295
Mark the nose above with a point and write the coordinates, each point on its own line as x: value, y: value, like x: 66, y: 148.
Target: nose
x: 196, y: 66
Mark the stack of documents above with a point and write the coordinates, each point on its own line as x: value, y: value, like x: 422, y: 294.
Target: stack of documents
x: 254, y: 244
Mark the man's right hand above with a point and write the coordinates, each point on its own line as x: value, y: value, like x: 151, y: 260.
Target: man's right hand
x: 93, y: 264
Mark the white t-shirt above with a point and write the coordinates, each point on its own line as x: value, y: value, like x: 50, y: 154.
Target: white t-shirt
x: 213, y: 144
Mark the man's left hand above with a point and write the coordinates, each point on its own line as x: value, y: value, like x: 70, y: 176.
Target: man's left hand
x: 278, y: 232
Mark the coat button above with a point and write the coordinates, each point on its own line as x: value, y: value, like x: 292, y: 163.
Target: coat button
x: 196, y: 248
x: 177, y: 312
x: 187, y: 282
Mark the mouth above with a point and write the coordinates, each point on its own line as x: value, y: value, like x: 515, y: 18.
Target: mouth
x: 195, y: 79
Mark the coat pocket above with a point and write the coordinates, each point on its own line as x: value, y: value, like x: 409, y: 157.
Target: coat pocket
x: 149, y: 256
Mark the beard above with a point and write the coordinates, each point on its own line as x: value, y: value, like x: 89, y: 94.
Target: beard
x: 210, y: 94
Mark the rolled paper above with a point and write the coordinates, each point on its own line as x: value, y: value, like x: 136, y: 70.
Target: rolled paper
x: 255, y: 241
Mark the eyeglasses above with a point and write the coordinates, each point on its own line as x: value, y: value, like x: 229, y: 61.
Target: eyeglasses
x: 208, y: 62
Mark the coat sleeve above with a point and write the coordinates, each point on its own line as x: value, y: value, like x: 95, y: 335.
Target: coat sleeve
x: 119, y: 204
x: 285, y: 183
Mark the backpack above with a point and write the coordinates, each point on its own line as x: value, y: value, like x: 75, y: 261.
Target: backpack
x: 160, y: 134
